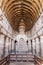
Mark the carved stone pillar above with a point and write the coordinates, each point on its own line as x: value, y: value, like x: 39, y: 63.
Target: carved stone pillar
x: 39, y: 47
x: 35, y: 47
x: 41, y: 41
x: 8, y: 45
x: 15, y: 46
x: 1, y: 45
x: 33, y: 42
x: 11, y: 45
x: 27, y: 45
x: 4, y: 46
x: 31, y: 47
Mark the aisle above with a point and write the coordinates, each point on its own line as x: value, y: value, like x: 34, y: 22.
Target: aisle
x: 22, y: 63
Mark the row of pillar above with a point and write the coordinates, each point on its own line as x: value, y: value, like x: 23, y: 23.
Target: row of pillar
x: 37, y: 46
x: 8, y: 44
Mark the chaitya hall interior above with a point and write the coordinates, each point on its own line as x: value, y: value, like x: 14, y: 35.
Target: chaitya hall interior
x: 21, y: 32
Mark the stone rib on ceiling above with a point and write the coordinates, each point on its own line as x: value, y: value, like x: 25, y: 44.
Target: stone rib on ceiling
x: 28, y: 10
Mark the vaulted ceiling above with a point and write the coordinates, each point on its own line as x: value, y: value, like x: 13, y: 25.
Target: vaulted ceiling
x: 28, y: 10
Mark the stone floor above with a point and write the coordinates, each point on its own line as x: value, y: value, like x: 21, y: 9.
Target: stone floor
x: 21, y: 63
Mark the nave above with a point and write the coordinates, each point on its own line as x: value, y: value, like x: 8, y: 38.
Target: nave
x: 21, y: 32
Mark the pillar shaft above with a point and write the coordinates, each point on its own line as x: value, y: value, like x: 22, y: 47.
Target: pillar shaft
x: 15, y: 46
x: 39, y: 47
x: 31, y: 47
x: 35, y: 46
x: 11, y: 45
x: 4, y: 46
x: 33, y: 42
x: 41, y: 41
x: 8, y: 45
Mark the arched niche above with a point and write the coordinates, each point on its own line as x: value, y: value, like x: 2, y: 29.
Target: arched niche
x: 22, y: 46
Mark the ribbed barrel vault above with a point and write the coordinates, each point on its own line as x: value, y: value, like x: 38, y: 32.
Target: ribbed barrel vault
x: 28, y: 10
